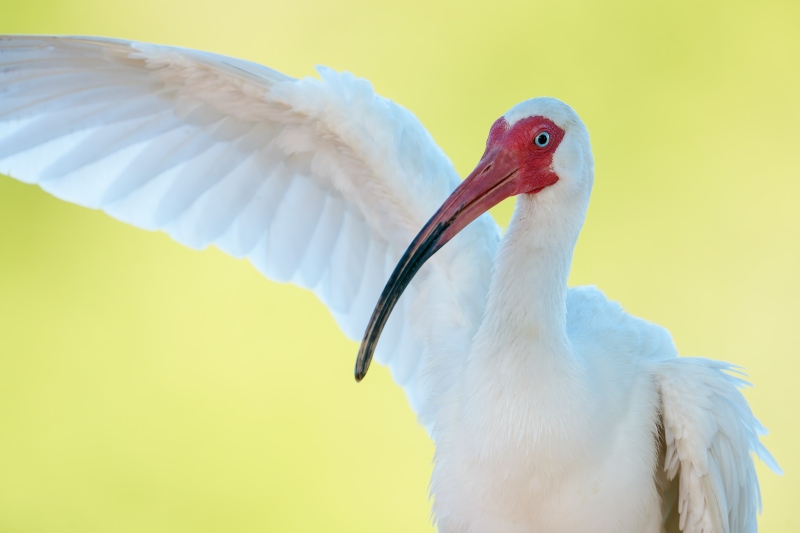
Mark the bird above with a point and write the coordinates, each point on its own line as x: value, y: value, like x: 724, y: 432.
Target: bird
x: 551, y: 408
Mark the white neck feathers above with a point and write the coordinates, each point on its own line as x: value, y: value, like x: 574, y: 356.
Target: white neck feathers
x: 526, y: 312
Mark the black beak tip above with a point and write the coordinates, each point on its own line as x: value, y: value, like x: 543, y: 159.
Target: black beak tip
x: 360, y: 373
x: 362, y: 365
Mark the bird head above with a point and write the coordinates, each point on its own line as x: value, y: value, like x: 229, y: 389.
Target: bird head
x: 550, y: 146
x: 539, y: 148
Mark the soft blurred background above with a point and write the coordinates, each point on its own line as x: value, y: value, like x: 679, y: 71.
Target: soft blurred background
x: 147, y: 387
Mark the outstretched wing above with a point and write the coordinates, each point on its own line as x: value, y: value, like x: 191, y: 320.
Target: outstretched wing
x: 709, y: 436
x: 318, y: 182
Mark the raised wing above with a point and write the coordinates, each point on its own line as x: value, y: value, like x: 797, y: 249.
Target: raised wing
x: 317, y: 182
x: 709, y: 435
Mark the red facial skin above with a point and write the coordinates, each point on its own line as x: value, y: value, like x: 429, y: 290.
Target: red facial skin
x: 534, y: 162
x: 512, y: 164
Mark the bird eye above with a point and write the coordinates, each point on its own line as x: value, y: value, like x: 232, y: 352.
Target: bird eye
x: 542, y: 140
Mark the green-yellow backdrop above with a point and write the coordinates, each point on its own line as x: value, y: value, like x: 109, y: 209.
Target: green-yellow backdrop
x: 145, y: 387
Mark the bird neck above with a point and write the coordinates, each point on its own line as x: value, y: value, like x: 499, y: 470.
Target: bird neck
x: 527, y: 302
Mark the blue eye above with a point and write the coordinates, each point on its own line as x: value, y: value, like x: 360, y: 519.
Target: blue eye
x: 542, y: 139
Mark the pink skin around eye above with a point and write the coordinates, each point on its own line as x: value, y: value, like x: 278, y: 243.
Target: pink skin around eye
x: 534, y: 162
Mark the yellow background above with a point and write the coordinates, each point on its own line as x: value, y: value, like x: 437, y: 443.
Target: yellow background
x: 148, y: 388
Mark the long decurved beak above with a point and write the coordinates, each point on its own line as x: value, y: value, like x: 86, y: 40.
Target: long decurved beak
x: 491, y: 182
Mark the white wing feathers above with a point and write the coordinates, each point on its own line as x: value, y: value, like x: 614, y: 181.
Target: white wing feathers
x: 709, y: 434
x: 317, y: 182
x: 708, y: 481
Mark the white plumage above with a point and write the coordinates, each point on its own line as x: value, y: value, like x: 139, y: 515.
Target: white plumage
x: 551, y: 408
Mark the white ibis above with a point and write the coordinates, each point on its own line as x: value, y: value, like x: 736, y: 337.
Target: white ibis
x: 552, y: 409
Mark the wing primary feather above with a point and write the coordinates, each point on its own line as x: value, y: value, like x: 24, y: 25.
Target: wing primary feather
x: 369, y: 290
x: 163, y: 154
x: 254, y: 230
x: 203, y: 171
x: 292, y: 227
x: 46, y: 82
x: 317, y: 256
x: 12, y: 107
x: 347, y: 264
x: 48, y: 127
x: 220, y: 207
x: 108, y: 141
